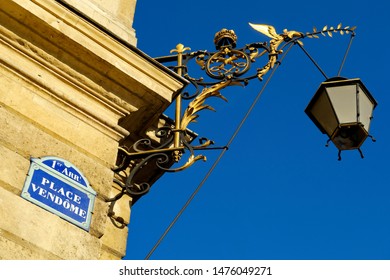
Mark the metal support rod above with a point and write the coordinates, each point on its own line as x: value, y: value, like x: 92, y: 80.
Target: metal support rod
x: 346, y: 54
x: 178, y: 102
x: 180, y: 49
x: 140, y: 154
x: 314, y: 62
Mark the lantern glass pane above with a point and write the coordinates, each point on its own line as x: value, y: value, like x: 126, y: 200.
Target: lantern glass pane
x: 343, y: 99
x: 366, y: 107
x: 323, y: 114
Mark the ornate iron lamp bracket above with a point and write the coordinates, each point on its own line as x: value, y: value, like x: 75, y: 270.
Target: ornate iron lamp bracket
x: 225, y: 67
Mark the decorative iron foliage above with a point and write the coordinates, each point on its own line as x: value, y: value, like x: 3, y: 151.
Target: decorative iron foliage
x: 330, y: 31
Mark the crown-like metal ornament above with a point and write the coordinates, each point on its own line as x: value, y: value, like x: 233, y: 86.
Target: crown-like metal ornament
x: 225, y: 38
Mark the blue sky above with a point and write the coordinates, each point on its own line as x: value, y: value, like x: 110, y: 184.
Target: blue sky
x: 278, y: 192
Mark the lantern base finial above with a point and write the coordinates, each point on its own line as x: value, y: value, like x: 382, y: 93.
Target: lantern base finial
x: 340, y: 150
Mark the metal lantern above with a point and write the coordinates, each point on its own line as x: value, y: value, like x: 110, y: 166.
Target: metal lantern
x: 342, y: 109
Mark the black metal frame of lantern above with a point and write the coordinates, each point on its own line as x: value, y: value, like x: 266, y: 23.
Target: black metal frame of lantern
x: 342, y: 109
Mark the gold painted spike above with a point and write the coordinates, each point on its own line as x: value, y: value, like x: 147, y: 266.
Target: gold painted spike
x: 180, y: 49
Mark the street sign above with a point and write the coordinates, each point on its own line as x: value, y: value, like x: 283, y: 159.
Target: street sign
x: 59, y: 187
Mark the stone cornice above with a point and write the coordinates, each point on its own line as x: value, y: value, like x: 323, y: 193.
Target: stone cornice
x: 118, y: 23
x: 117, y: 76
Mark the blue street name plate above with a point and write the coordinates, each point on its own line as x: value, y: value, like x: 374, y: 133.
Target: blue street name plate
x: 59, y: 187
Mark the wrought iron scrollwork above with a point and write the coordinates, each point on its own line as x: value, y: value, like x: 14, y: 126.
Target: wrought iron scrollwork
x: 227, y: 62
x: 143, y: 153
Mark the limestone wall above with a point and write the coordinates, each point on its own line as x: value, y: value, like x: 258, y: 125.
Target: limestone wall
x: 65, y: 87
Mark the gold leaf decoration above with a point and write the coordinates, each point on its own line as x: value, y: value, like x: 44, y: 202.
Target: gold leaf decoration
x: 329, y: 31
x: 191, y: 160
x: 204, y: 145
x: 197, y: 105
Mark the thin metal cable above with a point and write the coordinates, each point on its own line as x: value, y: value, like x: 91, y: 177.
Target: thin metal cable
x: 218, y: 159
x: 346, y: 54
x: 312, y: 60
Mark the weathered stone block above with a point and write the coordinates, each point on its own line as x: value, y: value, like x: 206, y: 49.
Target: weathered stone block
x: 45, y: 230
